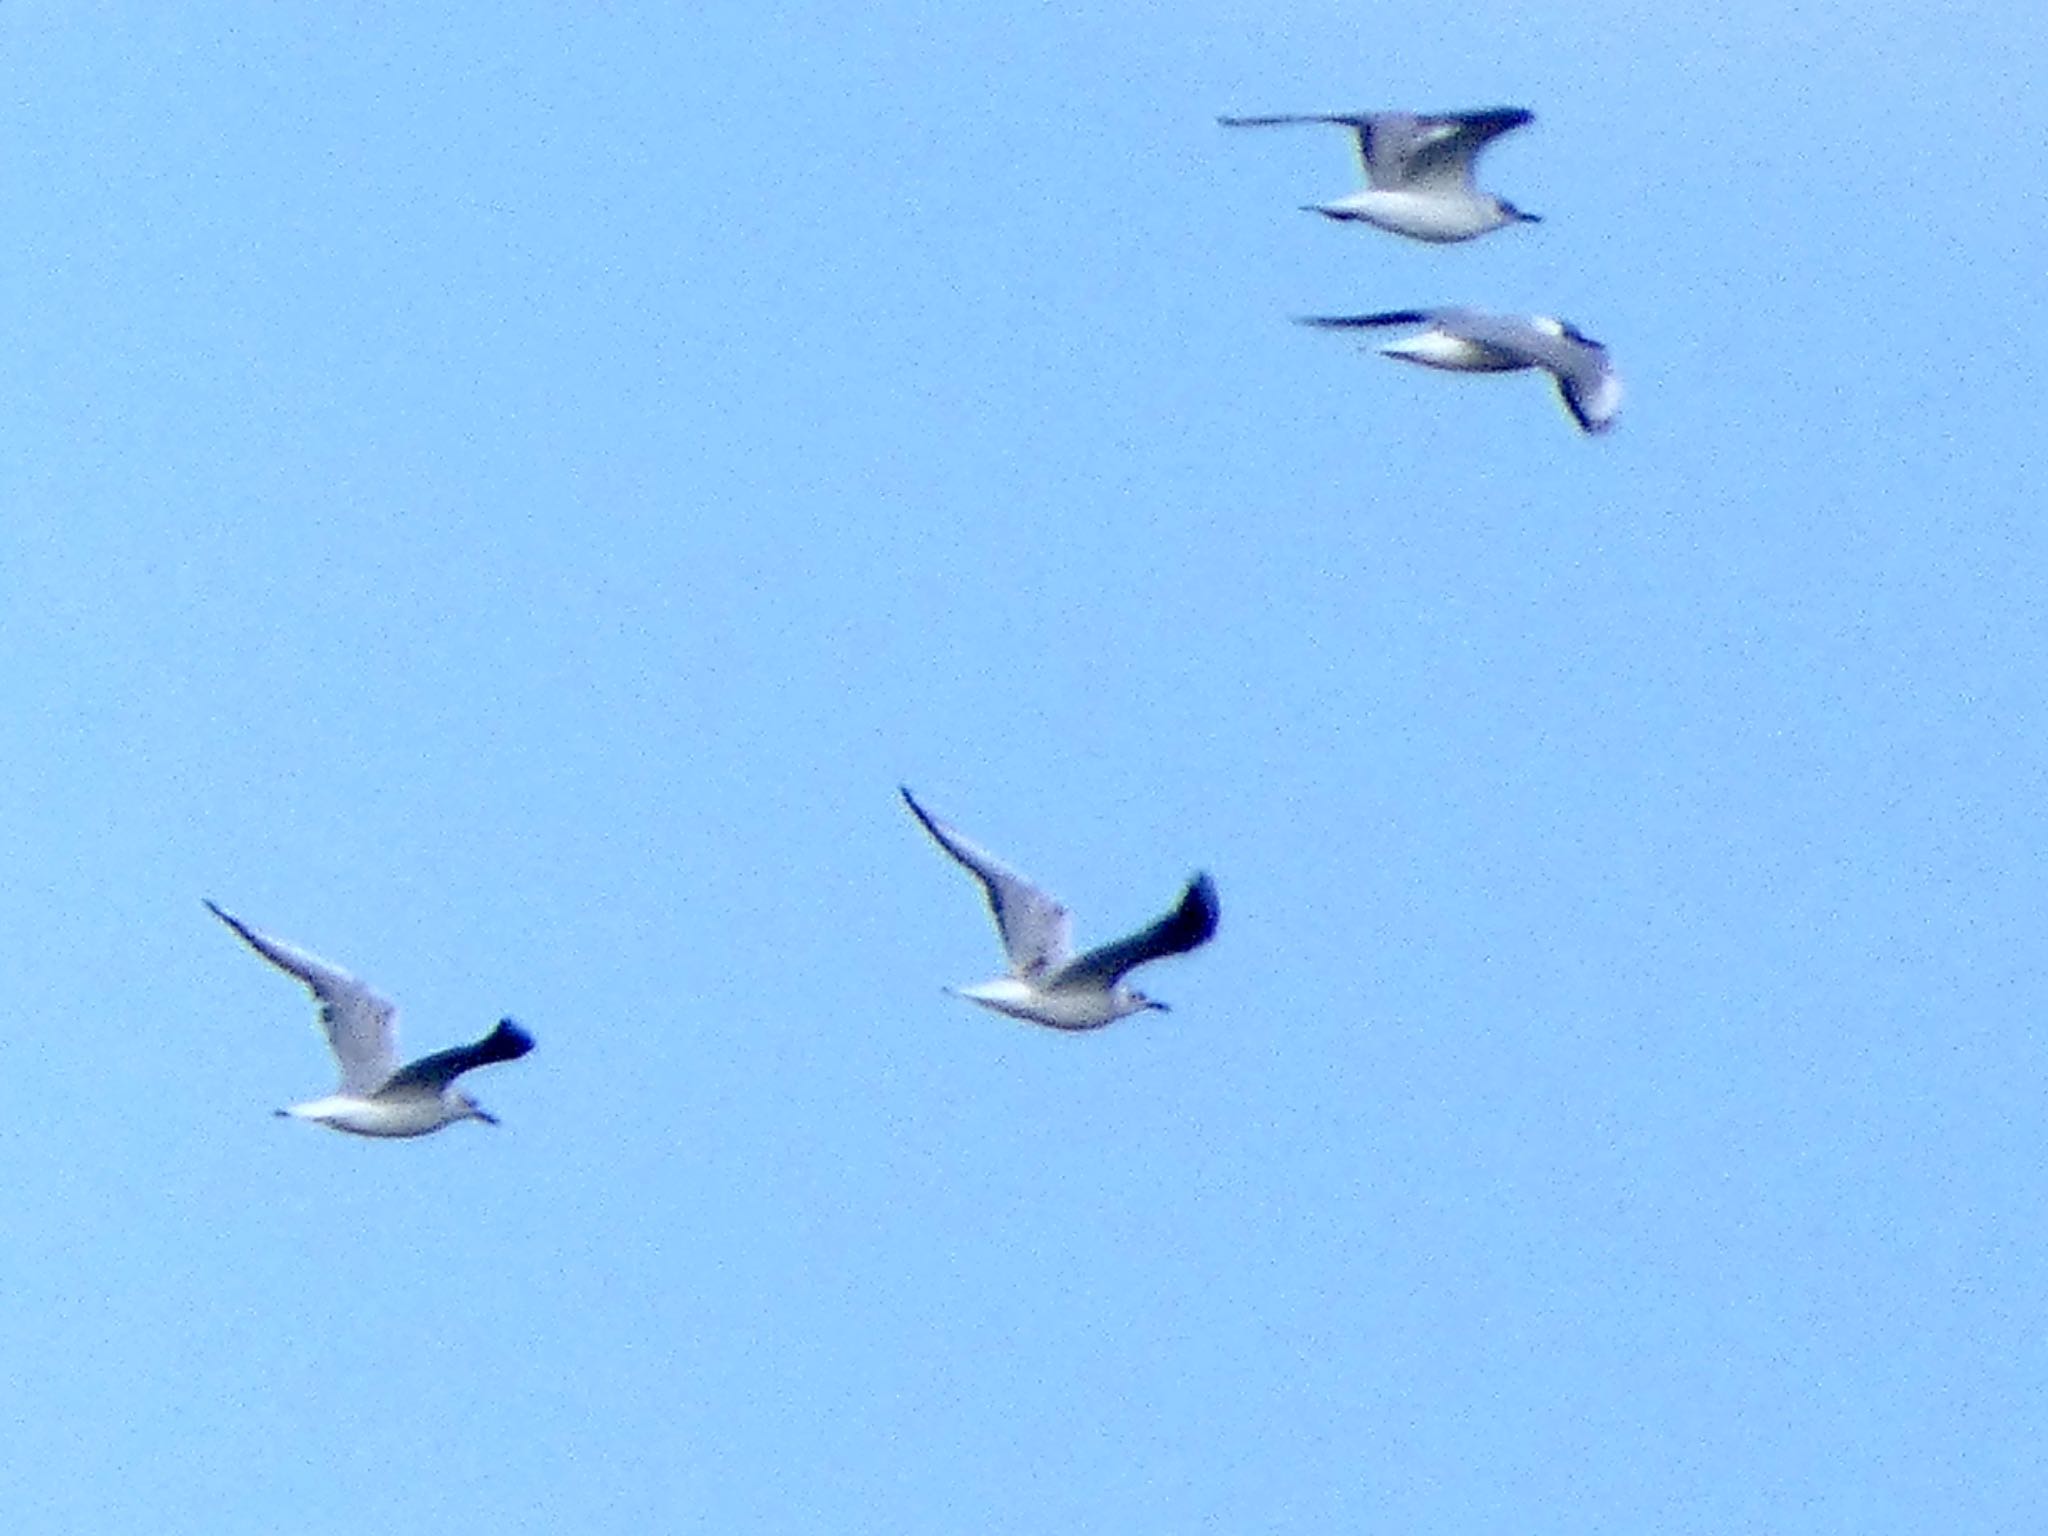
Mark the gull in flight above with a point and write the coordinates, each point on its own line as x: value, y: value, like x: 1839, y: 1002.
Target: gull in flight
x: 1418, y: 170
x: 1045, y: 984
x: 1473, y: 341
x: 377, y: 1097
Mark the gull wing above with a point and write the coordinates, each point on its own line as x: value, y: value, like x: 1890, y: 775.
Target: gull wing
x: 1188, y: 926
x: 1592, y: 395
x: 1362, y: 322
x: 1276, y: 120
x: 1035, y: 928
x: 1439, y: 150
x: 362, y: 1028
x: 508, y: 1042
x: 1461, y: 339
x: 1586, y: 379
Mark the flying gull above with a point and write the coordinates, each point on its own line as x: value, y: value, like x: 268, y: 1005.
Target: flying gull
x: 1045, y: 985
x: 1473, y: 341
x: 377, y: 1097
x: 1418, y: 170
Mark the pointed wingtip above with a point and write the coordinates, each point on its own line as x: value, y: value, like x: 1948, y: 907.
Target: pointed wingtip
x: 925, y: 818
x: 1203, y: 903
x: 1363, y: 322
x: 239, y: 928
x: 509, y: 1038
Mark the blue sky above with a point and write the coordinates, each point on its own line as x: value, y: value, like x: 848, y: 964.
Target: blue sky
x: 503, y: 498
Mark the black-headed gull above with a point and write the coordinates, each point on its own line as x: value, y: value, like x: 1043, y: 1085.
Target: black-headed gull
x: 377, y: 1097
x: 1045, y: 985
x: 1418, y: 170
x: 1473, y: 341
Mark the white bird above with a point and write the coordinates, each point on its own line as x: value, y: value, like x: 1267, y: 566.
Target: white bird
x: 1418, y: 170
x: 1045, y: 986
x: 377, y: 1097
x: 1473, y: 341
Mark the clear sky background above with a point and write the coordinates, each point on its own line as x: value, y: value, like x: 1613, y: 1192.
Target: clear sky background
x: 502, y: 496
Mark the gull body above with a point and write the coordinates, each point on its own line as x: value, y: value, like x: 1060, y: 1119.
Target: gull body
x: 1047, y: 984
x: 1418, y: 170
x: 1473, y: 341
x: 376, y: 1097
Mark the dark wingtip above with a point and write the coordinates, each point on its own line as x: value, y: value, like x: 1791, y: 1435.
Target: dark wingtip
x: 1360, y: 322
x: 281, y: 1114
x: 1201, y: 909
x: 509, y: 1040
x: 1500, y: 119
x: 924, y: 817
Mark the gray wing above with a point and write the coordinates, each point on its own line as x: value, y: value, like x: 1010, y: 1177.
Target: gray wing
x: 1586, y: 380
x: 1362, y: 322
x: 1495, y: 342
x: 508, y: 1042
x: 1439, y: 150
x: 1035, y: 928
x: 1186, y: 927
x: 362, y: 1028
x: 1278, y: 119
x: 1488, y: 343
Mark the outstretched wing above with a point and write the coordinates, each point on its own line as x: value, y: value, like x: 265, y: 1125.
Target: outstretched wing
x: 508, y: 1042
x: 1364, y: 322
x: 1035, y: 928
x: 1187, y: 926
x: 362, y: 1028
x: 1439, y: 150
x: 1586, y: 380
x: 1592, y: 392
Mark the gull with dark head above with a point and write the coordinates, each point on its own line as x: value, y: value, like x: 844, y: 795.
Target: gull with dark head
x: 1418, y: 170
x: 1045, y: 985
x: 1473, y: 341
x: 377, y: 1097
